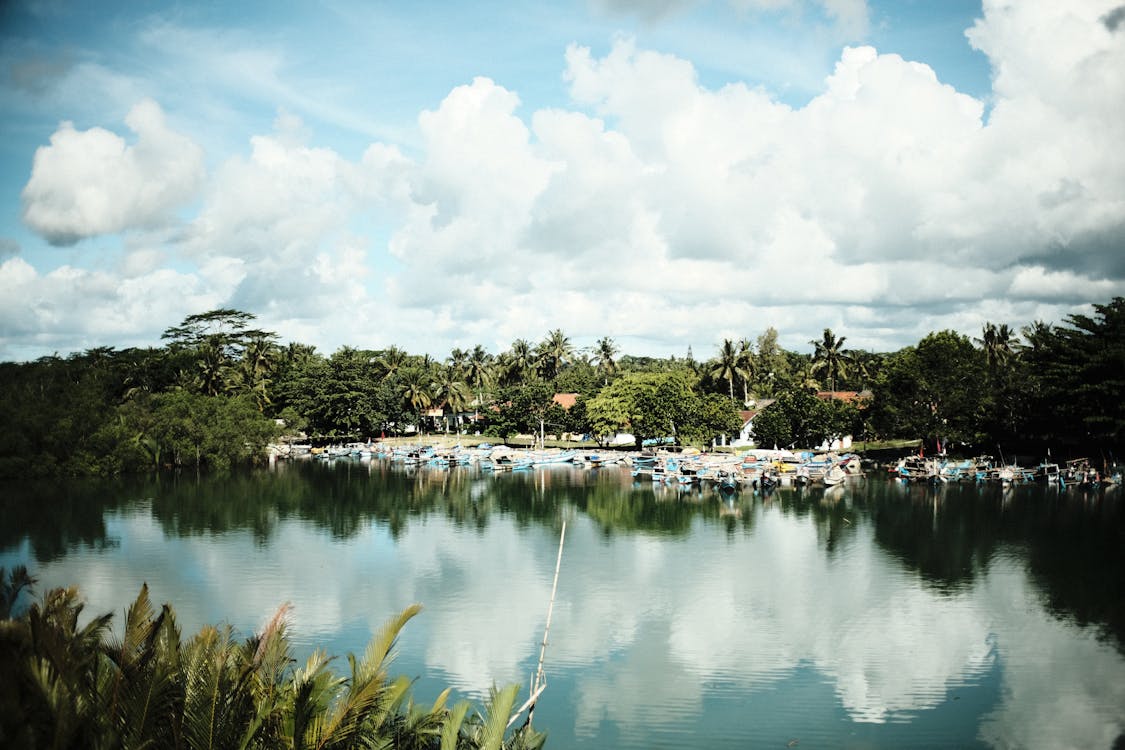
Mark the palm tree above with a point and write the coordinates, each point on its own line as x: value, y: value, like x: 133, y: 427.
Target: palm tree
x: 458, y: 358
x: 746, y: 363
x: 553, y: 352
x: 451, y: 390
x: 806, y: 378
x: 479, y: 373
x: 11, y: 586
x: 259, y: 360
x: 211, y: 369
x: 604, y: 352
x: 391, y: 362
x: 829, y: 356
x: 518, y: 362
x: 416, y: 393
x: 999, y: 344
x: 81, y: 686
x: 725, y: 366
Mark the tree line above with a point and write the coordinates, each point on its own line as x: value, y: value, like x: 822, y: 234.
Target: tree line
x: 216, y: 391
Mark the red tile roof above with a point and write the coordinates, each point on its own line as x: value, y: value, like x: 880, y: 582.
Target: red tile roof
x: 565, y: 400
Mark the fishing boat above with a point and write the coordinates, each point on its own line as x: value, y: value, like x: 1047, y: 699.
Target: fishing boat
x: 727, y: 481
x: 834, y: 476
x: 552, y: 456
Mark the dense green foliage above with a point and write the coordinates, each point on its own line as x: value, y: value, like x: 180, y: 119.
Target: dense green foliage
x: 936, y: 388
x: 654, y: 406
x: 213, y: 395
x: 800, y: 419
x: 73, y: 685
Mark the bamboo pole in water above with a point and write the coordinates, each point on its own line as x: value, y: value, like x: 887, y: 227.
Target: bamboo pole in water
x: 538, y: 684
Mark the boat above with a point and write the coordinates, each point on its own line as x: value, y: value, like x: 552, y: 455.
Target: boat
x: 552, y: 456
x: 727, y: 481
x: 834, y: 476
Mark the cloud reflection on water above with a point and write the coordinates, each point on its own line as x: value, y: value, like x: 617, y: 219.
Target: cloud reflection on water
x: 644, y: 625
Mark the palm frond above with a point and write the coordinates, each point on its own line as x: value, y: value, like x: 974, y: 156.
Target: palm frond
x: 495, y: 721
x: 451, y: 727
x: 378, y: 655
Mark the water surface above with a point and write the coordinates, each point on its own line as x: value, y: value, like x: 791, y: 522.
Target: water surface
x: 872, y: 615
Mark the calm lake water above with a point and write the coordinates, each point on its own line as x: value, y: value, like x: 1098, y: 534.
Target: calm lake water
x: 872, y: 615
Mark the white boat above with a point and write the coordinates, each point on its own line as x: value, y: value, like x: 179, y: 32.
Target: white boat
x: 835, y: 475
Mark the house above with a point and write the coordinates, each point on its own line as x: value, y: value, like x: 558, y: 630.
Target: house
x: 746, y: 433
x: 858, y: 399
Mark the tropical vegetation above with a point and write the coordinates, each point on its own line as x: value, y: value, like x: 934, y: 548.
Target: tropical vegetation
x: 219, y: 390
x: 72, y: 682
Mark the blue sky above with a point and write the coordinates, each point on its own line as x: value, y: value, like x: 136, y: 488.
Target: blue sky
x: 668, y: 173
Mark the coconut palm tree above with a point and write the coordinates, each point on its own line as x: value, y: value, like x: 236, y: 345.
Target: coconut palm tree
x: 391, y: 362
x: 725, y: 366
x: 458, y: 358
x: 253, y: 375
x: 999, y: 344
x: 604, y: 352
x: 830, y: 358
x: 415, y: 393
x: 451, y: 390
x: 746, y: 363
x: 806, y: 377
x: 552, y: 353
x: 480, y: 373
x: 212, y: 369
x: 518, y: 362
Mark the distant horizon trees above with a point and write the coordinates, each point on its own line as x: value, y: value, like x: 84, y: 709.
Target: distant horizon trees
x: 109, y: 410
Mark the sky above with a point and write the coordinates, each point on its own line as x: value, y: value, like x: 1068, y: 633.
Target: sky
x: 667, y: 173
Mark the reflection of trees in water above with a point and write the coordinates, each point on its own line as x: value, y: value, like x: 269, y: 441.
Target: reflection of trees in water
x: 56, y: 515
x: 633, y: 509
x: 947, y: 532
x: 345, y: 497
x: 831, y: 510
x: 1075, y: 548
x: 1073, y: 542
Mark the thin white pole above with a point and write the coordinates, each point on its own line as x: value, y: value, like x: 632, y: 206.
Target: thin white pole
x: 538, y: 686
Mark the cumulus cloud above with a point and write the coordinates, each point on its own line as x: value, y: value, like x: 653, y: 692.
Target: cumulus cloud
x: 656, y: 209
x: 72, y: 308
x: 91, y: 182
x: 889, y: 187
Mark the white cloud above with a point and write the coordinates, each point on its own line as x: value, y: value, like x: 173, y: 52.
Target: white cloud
x: 655, y: 208
x: 72, y: 308
x: 92, y: 182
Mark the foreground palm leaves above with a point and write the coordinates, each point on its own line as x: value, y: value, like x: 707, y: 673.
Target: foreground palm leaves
x: 66, y: 686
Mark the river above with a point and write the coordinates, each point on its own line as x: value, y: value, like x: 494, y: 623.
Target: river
x: 876, y: 614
